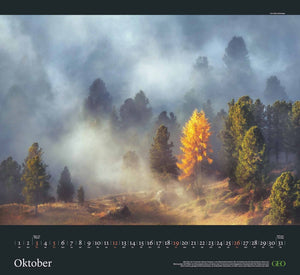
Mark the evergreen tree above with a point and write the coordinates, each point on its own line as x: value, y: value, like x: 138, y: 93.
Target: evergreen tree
x: 283, y: 198
x: 191, y: 101
x: 268, y: 131
x: 80, y: 195
x: 135, y: 112
x: 218, y: 155
x: 99, y: 101
x: 295, y: 124
x: 250, y: 166
x: 274, y: 91
x: 35, y: 177
x: 162, y: 161
x: 170, y: 121
x: 208, y: 110
x: 201, y: 64
x: 114, y: 119
x: 128, y: 114
x: 143, y: 108
x: 278, y: 122
x: 239, y: 120
x: 65, y: 188
x: 236, y: 56
x: 259, y: 114
x: 10, y: 181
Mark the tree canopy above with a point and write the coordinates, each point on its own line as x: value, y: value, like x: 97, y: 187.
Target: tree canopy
x: 196, y: 146
x: 65, y: 187
x: 251, y: 159
x: 35, y: 177
x: 135, y: 112
x: 162, y: 161
x: 99, y: 101
x: 10, y: 181
x: 282, y: 198
x: 236, y: 55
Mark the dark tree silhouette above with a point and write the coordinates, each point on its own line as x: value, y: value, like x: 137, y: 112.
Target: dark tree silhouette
x: 99, y: 102
x: 162, y: 161
x: 259, y: 114
x: 65, y: 188
x: 201, y: 64
x: 274, y: 91
x: 277, y: 132
x: 170, y: 121
x: 135, y: 112
x: 114, y: 119
x: 236, y: 55
x: 10, y: 181
x: 142, y: 106
x: 295, y: 125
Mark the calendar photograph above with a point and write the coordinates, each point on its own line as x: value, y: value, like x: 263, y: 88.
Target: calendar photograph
x: 149, y: 120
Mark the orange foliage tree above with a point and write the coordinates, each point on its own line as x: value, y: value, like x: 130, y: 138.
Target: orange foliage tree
x: 195, y: 147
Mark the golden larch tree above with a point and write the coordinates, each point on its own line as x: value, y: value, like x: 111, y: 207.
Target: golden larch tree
x: 195, y: 146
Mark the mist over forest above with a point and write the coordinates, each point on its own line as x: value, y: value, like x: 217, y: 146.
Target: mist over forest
x: 90, y: 89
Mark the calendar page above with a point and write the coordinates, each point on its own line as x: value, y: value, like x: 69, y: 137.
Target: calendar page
x: 164, y: 141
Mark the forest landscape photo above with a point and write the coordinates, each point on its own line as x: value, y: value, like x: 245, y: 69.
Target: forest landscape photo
x: 149, y: 120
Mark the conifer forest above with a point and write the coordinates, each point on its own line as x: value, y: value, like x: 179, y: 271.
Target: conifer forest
x: 153, y: 119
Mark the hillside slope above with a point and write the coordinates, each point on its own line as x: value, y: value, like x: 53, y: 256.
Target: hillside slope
x: 217, y: 206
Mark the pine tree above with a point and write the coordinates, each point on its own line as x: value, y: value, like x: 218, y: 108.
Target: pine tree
x: 143, y: 108
x: 201, y: 64
x: 35, y: 177
x: 10, y: 181
x: 162, y: 161
x: 195, y: 147
x: 274, y: 91
x: 217, y: 125
x: 236, y: 56
x: 279, y: 126
x: 80, y: 195
x: 250, y: 166
x: 239, y: 120
x: 135, y: 112
x: 114, y: 119
x: 99, y: 101
x: 208, y: 110
x: 283, y: 198
x: 170, y: 121
x: 259, y: 114
x: 295, y: 133
x: 65, y: 188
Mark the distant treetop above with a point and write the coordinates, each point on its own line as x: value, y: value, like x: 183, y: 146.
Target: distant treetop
x: 236, y: 55
x: 99, y: 101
